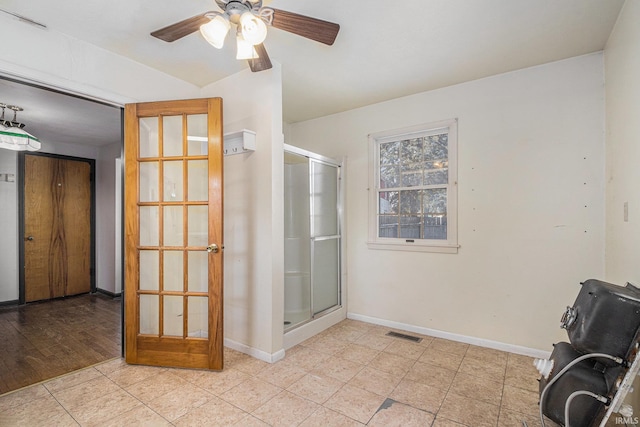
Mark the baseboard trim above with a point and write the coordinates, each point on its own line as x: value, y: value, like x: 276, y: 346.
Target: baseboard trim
x: 8, y: 303
x: 496, y: 345
x: 108, y: 293
x: 254, y: 352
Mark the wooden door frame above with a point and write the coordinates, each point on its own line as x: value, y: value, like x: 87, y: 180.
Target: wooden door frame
x: 21, y: 225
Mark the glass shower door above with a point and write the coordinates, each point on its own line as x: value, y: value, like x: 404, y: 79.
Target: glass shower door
x: 325, y: 236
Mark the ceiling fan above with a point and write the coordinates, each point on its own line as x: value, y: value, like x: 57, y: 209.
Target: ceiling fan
x: 251, y: 19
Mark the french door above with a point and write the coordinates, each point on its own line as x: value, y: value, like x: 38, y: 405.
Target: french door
x: 173, y: 233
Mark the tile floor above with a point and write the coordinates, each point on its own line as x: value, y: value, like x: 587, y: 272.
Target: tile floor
x: 350, y: 375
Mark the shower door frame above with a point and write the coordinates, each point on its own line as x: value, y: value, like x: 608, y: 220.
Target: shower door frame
x: 311, y: 156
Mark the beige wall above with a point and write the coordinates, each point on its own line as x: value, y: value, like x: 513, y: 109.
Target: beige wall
x: 622, y: 71
x: 530, y: 197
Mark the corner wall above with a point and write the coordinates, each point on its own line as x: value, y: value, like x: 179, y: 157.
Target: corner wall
x: 530, y: 199
x: 622, y: 71
x: 254, y: 212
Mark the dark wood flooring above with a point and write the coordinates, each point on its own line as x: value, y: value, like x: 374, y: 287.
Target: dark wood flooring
x: 40, y: 341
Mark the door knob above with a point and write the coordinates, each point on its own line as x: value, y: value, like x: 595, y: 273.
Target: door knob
x: 29, y: 238
x: 213, y: 248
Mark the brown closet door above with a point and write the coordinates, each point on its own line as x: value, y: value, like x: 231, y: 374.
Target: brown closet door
x: 57, y: 225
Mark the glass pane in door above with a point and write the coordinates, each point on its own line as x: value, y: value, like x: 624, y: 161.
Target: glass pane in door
x: 172, y: 314
x: 197, y: 135
x: 324, y: 199
x: 198, y: 317
x: 171, y: 136
x: 326, y: 274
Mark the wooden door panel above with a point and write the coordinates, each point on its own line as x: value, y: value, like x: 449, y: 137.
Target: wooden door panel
x: 158, y: 298
x: 76, y: 207
x: 38, y: 219
x: 57, y: 225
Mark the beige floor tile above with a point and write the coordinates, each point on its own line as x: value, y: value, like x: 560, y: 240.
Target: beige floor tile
x: 375, y: 381
x: 37, y: 412
x: 221, y: 382
x: 399, y: 415
x: 448, y: 346
x: 214, y: 413
x: 418, y: 395
x: 519, y: 400
x: 348, y: 333
x: 305, y: 358
x: 251, y: 421
x: 286, y: 409
x: 131, y: 374
x: 478, y: 388
x: 85, y: 392
x: 392, y: 363
x: 98, y: 411
x: 522, y: 376
x: 442, y: 359
x: 73, y: 379
x: 355, y: 403
x: 406, y: 349
x: 251, y: 394
x: 281, y: 374
x: 358, y: 354
x: 469, y: 411
x: 180, y: 401
x: 443, y: 422
x: 328, y: 345
x: 20, y: 397
x: 431, y: 375
x: 510, y: 419
x: 111, y: 366
x: 374, y: 341
x: 155, y: 386
x: 479, y: 368
x: 324, y: 417
x: 519, y: 360
x: 247, y: 364
x: 340, y: 369
x: 140, y: 416
x: 316, y: 387
x: 488, y: 355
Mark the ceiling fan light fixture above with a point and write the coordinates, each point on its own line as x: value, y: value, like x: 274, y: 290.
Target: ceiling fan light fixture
x: 245, y: 49
x: 254, y: 30
x: 215, y: 31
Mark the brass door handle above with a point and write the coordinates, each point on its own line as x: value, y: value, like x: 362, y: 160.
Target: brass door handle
x: 213, y: 248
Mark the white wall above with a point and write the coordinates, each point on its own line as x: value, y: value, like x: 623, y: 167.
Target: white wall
x: 106, y: 193
x: 531, y: 204
x: 622, y: 70
x: 9, y: 228
x: 253, y: 214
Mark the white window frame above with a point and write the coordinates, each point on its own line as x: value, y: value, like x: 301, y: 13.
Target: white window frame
x: 450, y: 245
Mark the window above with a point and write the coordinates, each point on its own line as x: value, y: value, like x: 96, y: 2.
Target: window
x: 413, y: 189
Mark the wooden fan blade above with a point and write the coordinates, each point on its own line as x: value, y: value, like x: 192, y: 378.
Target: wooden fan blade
x: 305, y: 26
x: 262, y: 62
x: 180, y: 29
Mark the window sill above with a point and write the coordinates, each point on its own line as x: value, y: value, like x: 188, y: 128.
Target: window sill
x: 414, y: 247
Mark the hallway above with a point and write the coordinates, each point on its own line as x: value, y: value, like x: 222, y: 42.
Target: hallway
x: 44, y: 340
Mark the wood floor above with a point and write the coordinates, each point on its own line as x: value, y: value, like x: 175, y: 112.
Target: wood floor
x: 40, y: 341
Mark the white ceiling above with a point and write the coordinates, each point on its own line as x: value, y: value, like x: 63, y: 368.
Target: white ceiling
x: 385, y: 49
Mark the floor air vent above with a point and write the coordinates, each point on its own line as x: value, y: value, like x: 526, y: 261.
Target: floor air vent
x: 403, y: 336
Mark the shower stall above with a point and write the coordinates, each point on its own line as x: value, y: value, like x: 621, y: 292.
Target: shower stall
x: 312, y: 232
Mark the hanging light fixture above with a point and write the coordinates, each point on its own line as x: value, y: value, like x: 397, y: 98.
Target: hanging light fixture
x: 215, y: 31
x: 12, y: 135
x: 251, y: 20
x: 254, y: 30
